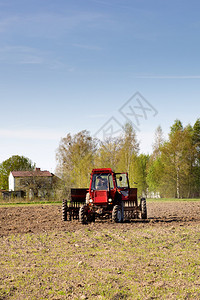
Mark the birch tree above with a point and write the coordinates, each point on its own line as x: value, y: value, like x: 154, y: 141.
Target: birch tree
x: 196, y: 164
x: 128, y: 152
x: 176, y: 156
x: 75, y: 157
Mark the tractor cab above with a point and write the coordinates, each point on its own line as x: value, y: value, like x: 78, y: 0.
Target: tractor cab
x: 107, y: 187
x: 102, y: 186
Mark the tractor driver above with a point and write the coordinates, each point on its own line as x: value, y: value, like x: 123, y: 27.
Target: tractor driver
x: 102, y: 183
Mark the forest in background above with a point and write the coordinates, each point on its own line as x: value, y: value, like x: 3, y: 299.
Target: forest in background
x: 172, y: 170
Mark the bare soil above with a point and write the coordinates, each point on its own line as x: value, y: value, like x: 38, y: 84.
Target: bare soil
x: 43, y: 257
x: 44, y: 218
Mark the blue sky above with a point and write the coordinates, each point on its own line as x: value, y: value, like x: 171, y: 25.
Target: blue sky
x: 66, y: 66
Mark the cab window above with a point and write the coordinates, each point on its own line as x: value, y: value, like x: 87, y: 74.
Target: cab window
x: 122, y: 181
x: 100, y: 182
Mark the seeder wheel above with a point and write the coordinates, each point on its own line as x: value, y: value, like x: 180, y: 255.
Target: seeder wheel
x: 64, y: 210
x: 143, y: 208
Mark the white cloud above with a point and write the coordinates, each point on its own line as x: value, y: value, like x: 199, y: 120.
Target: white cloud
x: 7, y: 23
x: 168, y: 76
x: 50, y: 25
x: 20, y: 55
x: 87, y: 47
x: 96, y: 116
x: 33, y: 134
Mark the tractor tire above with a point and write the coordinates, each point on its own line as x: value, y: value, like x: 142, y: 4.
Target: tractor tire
x: 64, y: 210
x: 143, y: 208
x: 117, y: 216
x: 84, y: 216
x: 92, y: 218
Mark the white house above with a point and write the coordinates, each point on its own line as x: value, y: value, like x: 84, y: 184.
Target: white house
x: 16, y: 178
x: 35, y: 183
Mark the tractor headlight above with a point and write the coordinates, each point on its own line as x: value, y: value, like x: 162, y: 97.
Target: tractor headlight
x: 110, y: 200
x: 91, y: 201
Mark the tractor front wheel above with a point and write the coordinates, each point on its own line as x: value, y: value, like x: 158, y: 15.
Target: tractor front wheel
x: 143, y: 208
x: 83, y: 214
x: 86, y: 216
x: 117, y: 214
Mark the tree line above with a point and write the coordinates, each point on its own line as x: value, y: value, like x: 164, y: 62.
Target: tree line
x: 172, y: 170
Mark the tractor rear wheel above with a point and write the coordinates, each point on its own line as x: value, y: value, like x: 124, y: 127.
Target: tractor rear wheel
x: 143, y: 208
x: 64, y: 210
x: 117, y: 214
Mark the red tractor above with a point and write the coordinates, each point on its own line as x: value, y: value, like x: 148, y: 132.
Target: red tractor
x: 109, y: 195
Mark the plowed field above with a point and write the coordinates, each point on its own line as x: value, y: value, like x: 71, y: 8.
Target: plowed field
x: 46, y: 218
x: 43, y: 257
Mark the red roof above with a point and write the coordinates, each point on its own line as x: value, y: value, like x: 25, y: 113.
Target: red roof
x: 31, y: 173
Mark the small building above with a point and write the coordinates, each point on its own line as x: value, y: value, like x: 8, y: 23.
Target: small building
x: 35, y: 183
